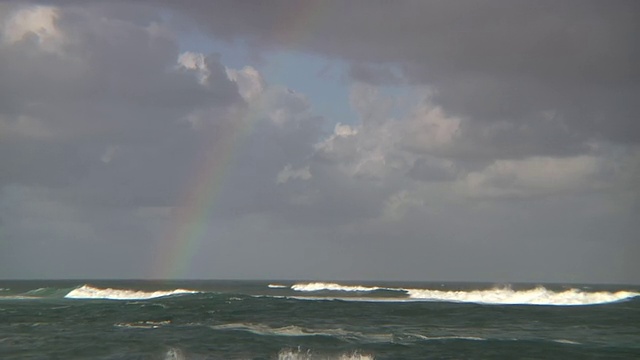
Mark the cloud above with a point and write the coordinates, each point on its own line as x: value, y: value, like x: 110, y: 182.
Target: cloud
x: 537, y: 176
x: 498, y: 62
x: 287, y: 173
x: 497, y: 145
x: 37, y: 21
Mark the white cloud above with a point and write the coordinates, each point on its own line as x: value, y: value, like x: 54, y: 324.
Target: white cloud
x: 250, y: 82
x: 288, y: 173
x: 399, y: 203
x: 429, y: 128
x: 535, y: 176
x: 39, y: 21
x: 196, y: 62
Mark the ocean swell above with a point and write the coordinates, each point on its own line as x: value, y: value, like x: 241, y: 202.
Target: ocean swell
x: 322, y: 286
x: 90, y: 292
x: 537, y: 296
x: 495, y: 296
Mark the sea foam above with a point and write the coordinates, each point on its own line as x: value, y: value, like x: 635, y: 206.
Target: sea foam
x: 277, y: 286
x: 298, y: 331
x: 537, y: 296
x: 321, y: 286
x: 496, y: 296
x: 302, y: 354
x: 89, y: 292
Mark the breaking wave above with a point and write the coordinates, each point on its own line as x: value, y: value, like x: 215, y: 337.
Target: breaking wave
x: 496, y: 296
x: 89, y: 292
x: 277, y: 286
x: 321, y: 286
x: 537, y: 296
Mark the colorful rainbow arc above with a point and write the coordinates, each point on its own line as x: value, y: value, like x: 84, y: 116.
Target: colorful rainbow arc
x: 189, y: 222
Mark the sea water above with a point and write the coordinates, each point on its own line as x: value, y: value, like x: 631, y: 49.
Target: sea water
x: 316, y: 320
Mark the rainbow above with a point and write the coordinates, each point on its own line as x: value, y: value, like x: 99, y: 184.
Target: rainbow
x: 189, y: 220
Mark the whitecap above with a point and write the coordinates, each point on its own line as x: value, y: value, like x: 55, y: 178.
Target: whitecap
x: 277, y: 286
x: 143, y: 324
x: 537, y: 296
x: 89, y: 292
x: 320, y: 286
x: 565, y: 341
x: 447, y: 337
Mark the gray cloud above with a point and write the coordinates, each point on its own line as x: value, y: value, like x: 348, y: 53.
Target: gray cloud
x: 491, y: 61
x: 514, y: 158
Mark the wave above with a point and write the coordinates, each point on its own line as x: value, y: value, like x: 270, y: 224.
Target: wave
x: 297, y: 331
x: 19, y: 297
x: 35, y: 294
x: 277, y: 286
x: 143, y: 324
x: 537, y: 296
x: 89, y: 292
x: 496, y: 296
x: 321, y: 286
x: 302, y: 354
x: 565, y: 341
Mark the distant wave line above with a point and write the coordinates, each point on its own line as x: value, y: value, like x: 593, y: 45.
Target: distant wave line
x: 90, y: 292
x: 495, y: 296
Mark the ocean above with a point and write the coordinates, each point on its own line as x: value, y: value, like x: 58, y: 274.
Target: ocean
x: 316, y: 320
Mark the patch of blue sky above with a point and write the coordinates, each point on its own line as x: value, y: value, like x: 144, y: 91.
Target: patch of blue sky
x: 319, y: 79
x: 323, y: 81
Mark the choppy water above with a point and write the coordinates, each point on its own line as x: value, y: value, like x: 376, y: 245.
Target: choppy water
x: 304, y: 320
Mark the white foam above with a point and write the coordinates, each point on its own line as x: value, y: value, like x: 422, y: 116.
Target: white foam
x: 19, y: 297
x: 143, y: 324
x: 301, y: 354
x: 89, y: 292
x: 565, y: 341
x: 423, y: 337
x: 277, y: 286
x: 496, y: 296
x: 537, y: 296
x: 320, y: 286
x: 174, y: 354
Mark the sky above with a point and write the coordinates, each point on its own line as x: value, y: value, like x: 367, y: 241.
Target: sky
x: 493, y: 141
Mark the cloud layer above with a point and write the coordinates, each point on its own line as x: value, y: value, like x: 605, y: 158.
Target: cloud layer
x: 491, y: 141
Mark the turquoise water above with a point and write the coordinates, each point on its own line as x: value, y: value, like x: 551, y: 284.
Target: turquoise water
x: 303, y: 320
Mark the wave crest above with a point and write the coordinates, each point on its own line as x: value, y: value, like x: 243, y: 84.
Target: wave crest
x: 496, y: 296
x: 277, y: 286
x: 537, y: 296
x: 89, y: 292
x: 320, y: 286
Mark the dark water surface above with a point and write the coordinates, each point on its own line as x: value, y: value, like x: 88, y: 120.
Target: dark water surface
x: 289, y: 320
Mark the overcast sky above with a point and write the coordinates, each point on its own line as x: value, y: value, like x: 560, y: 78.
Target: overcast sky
x: 378, y: 140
